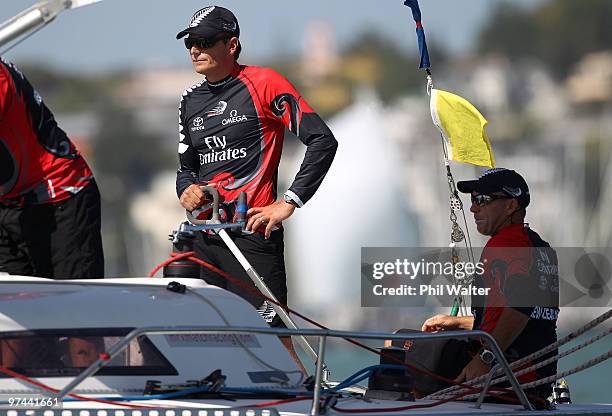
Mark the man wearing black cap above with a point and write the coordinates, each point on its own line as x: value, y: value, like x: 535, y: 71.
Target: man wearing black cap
x: 520, y: 270
x: 232, y: 127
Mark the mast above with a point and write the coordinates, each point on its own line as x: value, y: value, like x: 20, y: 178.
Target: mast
x: 36, y: 17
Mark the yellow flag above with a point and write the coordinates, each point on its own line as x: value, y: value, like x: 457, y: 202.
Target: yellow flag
x: 462, y: 127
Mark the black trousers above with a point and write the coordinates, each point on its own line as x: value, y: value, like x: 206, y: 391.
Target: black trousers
x: 266, y: 257
x: 59, y: 240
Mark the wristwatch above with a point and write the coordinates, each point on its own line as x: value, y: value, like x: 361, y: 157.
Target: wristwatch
x: 486, y: 356
x: 290, y: 200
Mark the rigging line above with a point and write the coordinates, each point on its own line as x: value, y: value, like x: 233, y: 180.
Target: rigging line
x: 454, y: 194
x: 541, y: 363
x: 603, y: 317
x: 468, y: 239
x: 586, y: 365
x: 444, y: 151
x: 568, y: 338
x: 558, y: 356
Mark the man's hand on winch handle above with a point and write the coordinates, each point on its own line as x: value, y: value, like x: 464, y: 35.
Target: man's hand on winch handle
x: 268, y: 216
x: 193, y: 197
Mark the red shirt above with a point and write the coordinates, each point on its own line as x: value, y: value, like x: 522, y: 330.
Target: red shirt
x: 37, y: 160
x: 502, y: 258
x: 521, y: 272
x: 232, y: 134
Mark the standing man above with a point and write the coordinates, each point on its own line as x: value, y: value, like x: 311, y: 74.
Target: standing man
x: 232, y: 127
x: 49, y: 201
x: 521, y: 273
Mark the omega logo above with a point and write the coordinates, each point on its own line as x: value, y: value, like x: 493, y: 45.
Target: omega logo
x: 234, y: 118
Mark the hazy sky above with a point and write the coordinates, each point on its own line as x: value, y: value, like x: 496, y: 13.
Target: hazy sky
x: 133, y: 33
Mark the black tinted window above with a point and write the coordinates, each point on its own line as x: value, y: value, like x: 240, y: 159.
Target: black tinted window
x: 61, y: 352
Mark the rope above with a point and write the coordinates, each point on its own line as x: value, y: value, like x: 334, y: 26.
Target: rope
x: 274, y: 403
x: 394, y: 409
x: 543, y: 363
x: 588, y: 364
x: 173, y: 257
x: 44, y: 387
x: 570, y: 337
x: 246, y: 286
x: 556, y: 357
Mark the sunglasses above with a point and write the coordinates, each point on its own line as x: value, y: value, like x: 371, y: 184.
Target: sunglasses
x: 484, y: 199
x: 202, y: 43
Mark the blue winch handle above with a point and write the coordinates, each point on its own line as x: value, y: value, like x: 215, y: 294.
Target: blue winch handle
x: 242, y: 207
x: 215, y: 208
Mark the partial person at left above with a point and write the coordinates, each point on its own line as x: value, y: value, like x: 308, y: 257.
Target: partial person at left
x: 50, y: 215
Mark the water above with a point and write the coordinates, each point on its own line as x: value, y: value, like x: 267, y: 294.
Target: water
x: 591, y: 385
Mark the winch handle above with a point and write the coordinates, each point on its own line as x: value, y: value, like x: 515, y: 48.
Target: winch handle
x: 242, y: 207
x: 215, y: 208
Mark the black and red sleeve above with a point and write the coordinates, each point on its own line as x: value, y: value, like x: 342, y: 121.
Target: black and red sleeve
x: 187, y: 173
x: 294, y: 112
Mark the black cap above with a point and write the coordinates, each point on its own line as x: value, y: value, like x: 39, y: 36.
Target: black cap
x: 499, y: 180
x: 210, y: 21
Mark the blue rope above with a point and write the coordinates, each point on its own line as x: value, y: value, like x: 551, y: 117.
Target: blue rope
x: 352, y: 380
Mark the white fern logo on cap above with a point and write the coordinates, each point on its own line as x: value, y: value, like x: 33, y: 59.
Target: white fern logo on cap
x: 515, y: 192
x: 200, y: 15
x: 492, y: 170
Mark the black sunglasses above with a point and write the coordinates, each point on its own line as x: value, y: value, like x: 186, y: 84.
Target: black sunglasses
x: 484, y: 199
x: 202, y: 43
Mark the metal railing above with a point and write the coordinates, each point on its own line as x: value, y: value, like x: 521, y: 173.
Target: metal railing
x: 323, y: 335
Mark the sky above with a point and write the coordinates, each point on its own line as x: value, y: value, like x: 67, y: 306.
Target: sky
x: 118, y: 34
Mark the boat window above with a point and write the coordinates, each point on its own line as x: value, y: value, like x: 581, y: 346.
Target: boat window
x: 62, y: 352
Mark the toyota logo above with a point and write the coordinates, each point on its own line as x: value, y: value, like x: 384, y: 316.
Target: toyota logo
x: 198, y: 121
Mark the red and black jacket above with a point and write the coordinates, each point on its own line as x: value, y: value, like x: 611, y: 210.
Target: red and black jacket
x: 521, y: 272
x: 232, y: 132
x: 38, y: 163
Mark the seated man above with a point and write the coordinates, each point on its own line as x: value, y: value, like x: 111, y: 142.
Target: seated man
x: 521, y: 271
x: 83, y: 351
